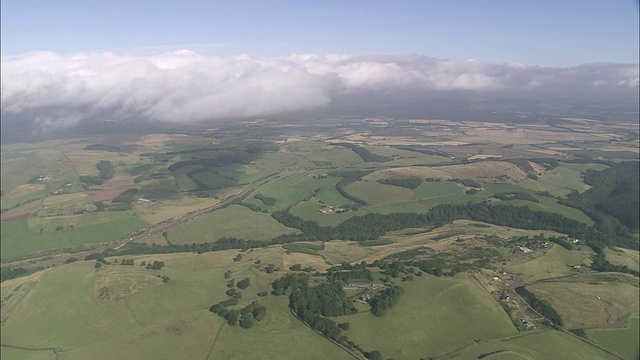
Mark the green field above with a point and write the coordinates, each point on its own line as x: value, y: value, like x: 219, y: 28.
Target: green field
x: 374, y: 193
x: 551, y: 263
x: 433, y: 317
x: 592, y: 301
x: 324, y: 154
x: 626, y: 257
x: 18, y: 241
x: 561, y: 180
x: 549, y: 344
x: 326, y: 190
x: 213, y: 179
x: 284, y: 191
x: 621, y: 341
x: 23, y: 354
x: 127, y: 312
x: 234, y: 221
x: 435, y: 189
x: 159, y: 189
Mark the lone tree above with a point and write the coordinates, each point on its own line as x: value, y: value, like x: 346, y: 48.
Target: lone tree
x: 244, y: 283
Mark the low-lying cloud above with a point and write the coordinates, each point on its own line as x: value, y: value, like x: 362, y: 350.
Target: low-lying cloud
x: 63, y: 89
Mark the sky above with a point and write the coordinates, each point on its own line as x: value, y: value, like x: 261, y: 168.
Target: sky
x: 542, y: 32
x: 67, y: 61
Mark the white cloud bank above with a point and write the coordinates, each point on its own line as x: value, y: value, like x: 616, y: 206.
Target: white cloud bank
x: 62, y: 89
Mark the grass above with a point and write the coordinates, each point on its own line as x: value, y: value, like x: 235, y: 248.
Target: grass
x: 623, y: 342
x: 561, y: 180
x: 376, y: 194
x: 234, y: 221
x: 620, y: 256
x: 591, y: 301
x: 433, y: 189
x: 214, y: 180
x: 549, y: 344
x: 433, y: 317
x: 323, y: 154
x: 278, y: 336
x: 127, y: 312
x: 18, y: 241
x: 51, y: 222
x: 160, y: 189
x: 551, y: 263
x: 13, y: 353
x: 285, y: 194
x: 11, y: 201
x: 325, y: 190
x: 309, y: 210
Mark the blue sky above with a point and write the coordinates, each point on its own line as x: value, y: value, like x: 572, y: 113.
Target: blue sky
x: 550, y: 33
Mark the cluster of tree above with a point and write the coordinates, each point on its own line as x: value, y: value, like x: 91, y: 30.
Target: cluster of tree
x: 140, y: 248
x: 126, y: 196
x: 246, y: 316
x: 360, y: 273
x: 91, y: 180
x: 562, y: 242
x: 547, y: 163
x: 326, y: 299
x: 222, y: 159
x: 102, y: 147
x: 12, y: 273
x: 156, y: 265
x: 601, y: 264
x: 467, y: 182
x: 243, y: 284
x: 289, y: 283
x: 269, y: 201
x: 128, y: 262
x: 365, y: 154
x: 304, y: 248
x: 157, y: 157
x: 151, y: 176
x: 298, y: 267
x: 101, y: 206
x: 422, y: 150
x: 349, y: 177
x: 408, y: 182
x: 540, y: 306
x: 385, y: 299
x: 614, y: 192
x: 515, y: 195
x: 105, y: 169
x: 314, y: 304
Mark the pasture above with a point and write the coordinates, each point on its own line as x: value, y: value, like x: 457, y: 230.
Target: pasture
x: 284, y: 191
x: 592, y: 301
x: 434, y: 316
x: 551, y: 263
x: 234, y: 221
x: 485, y: 172
x: 626, y: 257
x: 18, y: 240
x: 428, y: 190
x: 374, y: 193
x: 623, y: 342
x: 561, y: 180
x: 128, y: 312
x: 548, y: 344
x: 172, y: 208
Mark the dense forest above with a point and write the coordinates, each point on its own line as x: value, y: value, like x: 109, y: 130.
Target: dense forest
x: 614, y: 194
